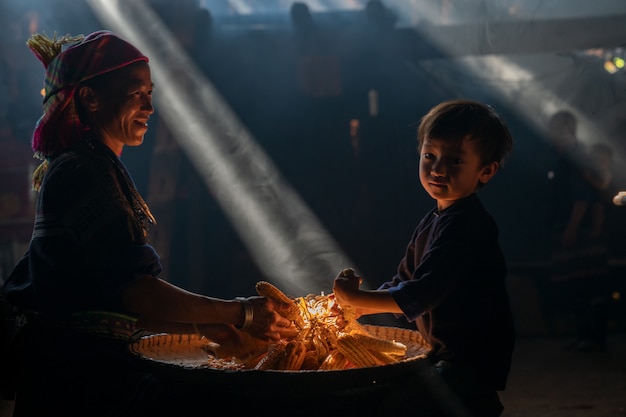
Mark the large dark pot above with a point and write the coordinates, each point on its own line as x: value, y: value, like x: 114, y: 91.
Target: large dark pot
x: 372, y: 391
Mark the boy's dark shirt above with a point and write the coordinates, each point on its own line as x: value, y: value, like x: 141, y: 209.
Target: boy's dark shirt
x: 452, y: 283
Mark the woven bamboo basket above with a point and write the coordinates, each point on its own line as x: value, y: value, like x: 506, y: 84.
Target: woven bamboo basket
x: 185, y: 356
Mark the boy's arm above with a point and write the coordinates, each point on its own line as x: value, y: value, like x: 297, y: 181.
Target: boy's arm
x: 348, y: 293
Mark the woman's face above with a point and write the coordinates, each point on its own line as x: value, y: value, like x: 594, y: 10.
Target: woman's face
x: 124, y: 107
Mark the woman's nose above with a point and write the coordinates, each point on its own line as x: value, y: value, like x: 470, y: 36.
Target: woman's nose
x: 147, y: 104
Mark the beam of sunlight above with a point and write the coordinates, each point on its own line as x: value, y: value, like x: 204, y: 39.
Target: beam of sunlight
x: 246, y: 7
x: 521, y: 89
x: 284, y: 237
x: 240, y: 6
x: 518, y: 86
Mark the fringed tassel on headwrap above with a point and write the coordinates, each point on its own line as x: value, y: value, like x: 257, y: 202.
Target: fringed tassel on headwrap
x: 39, y: 173
x: 46, y: 48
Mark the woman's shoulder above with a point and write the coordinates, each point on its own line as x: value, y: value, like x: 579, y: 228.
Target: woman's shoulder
x: 68, y: 167
x: 71, y: 177
x: 76, y: 165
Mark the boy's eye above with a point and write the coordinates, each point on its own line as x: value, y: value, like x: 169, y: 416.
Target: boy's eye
x: 457, y: 161
x: 428, y: 156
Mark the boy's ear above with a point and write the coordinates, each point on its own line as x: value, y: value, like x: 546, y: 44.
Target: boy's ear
x: 488, y: 171
x: 88, y: 98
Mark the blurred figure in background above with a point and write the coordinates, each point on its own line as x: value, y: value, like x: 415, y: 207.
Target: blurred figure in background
x: 580, y: 273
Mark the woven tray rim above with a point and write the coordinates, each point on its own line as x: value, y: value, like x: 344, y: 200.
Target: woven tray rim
x: 186, y: 351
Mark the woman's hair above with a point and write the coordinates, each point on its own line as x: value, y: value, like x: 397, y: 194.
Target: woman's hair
x: 455, y: 120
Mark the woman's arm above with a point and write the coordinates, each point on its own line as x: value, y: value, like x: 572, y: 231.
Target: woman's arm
x: 226, y: 340
x: 155, y: 300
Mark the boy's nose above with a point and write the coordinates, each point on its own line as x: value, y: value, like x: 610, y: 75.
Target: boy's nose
x: 438, y: 169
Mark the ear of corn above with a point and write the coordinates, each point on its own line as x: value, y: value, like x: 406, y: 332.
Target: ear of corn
x: 356, y: 352
x: 253, y: 361
x: 295, y: 351
x: 320, y: 346
x: 329, y: 338
x: 384, y: 357
x: 350, y: 323
x: 311, y: 361
x: 379, y: 344
x: 274, y: 354
x: 334, y: 361
x: 269, y: 290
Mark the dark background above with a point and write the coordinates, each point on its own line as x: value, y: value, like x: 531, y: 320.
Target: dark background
x: 296, y: 91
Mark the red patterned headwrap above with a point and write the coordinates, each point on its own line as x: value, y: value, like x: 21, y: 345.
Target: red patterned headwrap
x: 96, y: 54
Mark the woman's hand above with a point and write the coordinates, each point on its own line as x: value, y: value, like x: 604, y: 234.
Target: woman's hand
x: 228, y: 342
x: 267, y: 322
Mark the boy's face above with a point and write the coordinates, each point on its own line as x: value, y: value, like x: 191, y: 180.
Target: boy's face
x: 452, y: 170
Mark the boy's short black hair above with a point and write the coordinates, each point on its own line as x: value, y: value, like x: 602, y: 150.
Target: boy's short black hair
x: 457, y: 119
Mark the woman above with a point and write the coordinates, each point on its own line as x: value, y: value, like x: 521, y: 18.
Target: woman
x: 90, y: 277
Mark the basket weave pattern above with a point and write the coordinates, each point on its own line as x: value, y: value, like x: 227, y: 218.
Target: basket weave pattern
x: 188, y: 350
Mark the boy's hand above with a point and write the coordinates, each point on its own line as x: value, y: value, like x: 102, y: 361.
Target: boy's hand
x: 346, y: 284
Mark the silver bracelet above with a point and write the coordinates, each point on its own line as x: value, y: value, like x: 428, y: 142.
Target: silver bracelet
x: 248, y: 313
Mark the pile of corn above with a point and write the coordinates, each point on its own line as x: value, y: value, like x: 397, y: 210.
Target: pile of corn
x: 329, y: 338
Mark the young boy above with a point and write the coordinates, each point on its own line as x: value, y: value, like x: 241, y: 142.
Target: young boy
x: 451, y: 281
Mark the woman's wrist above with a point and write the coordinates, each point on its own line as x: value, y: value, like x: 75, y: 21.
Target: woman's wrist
x: 248, y: 313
